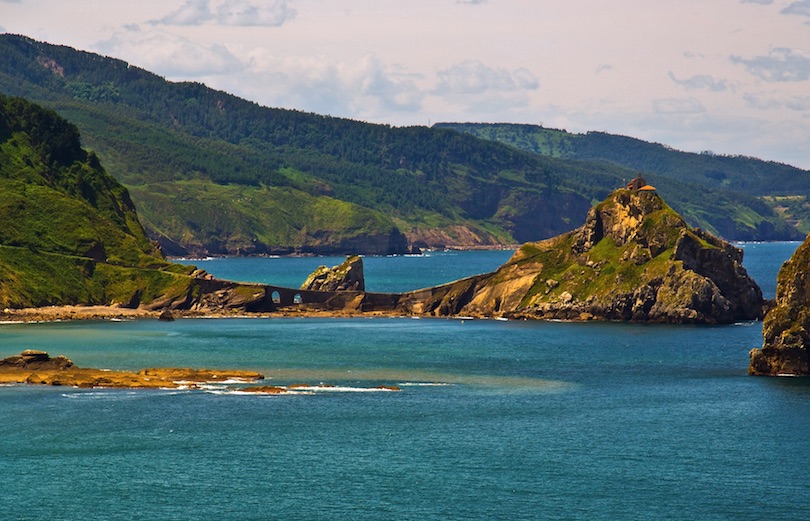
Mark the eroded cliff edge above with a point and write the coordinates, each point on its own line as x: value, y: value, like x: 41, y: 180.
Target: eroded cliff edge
x: 786, y: 328
x: 634, y: 259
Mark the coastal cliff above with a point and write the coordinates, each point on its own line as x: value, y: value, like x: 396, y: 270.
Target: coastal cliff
x: 634, y: 259
x: 786, y: 328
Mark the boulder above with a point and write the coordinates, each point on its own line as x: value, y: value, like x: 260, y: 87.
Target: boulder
x: 348, y: 276
x: 34, y: 360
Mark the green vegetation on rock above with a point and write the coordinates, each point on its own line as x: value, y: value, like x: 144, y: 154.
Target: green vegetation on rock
x: 634, y: 259
x: 70, y: 232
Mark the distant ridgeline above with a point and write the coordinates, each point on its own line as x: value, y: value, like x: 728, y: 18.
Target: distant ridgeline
x: 213, y: 173
x: 738, y: 197
x: 70, y: 234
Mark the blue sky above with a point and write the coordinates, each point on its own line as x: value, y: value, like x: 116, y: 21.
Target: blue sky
x: 730, y: 76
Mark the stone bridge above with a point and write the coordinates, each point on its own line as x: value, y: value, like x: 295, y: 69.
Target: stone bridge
x: 443, y: 300
x: 222, y: 294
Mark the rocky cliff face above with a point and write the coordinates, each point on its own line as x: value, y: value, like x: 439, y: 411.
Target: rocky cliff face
x: 634, y: 259
x: 786, y: 329
x: 348, y: 276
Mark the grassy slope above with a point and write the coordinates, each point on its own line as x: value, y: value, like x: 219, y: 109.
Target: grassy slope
x: 247, y: 216
x: 151, y: 131
x: 70, y: 234
x: 614, y: 271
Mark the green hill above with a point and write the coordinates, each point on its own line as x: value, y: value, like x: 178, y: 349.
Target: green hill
x: 758, y: 187
x: 213, y: 173
x: 70, y: 233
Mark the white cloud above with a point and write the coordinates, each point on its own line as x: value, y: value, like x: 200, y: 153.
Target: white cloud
x: 248, y: 13
x: 780, y: 64
x: 367, y: 88
x: 472, y: 87
x: 391, y: 89
x: 525, y: 79
x: 802, y: 8
x: 269, y: 13
x: 678, y: 106
x: 777, y: 100
x: 158, y: 51
x: 701, y: 82
x: 473, y: 77
x: 193, y: 12
x: 762, y: 2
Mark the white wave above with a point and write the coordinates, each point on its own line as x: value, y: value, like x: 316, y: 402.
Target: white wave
x: 339, y: 389
x: 425, y: 384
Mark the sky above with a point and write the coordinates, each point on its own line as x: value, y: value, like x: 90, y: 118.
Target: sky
x: 726, y: 76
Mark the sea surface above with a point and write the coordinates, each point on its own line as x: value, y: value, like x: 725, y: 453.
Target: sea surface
x: 493, y: 420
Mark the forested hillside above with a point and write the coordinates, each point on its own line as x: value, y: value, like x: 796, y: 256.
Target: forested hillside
x: 755, y: 184
x: 212, y: 173
x: 70, y: 233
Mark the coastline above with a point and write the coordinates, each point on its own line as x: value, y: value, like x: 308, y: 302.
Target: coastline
x: 111, y: 313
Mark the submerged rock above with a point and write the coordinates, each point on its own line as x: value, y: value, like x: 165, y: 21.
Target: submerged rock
x: 348, y: 276
x: 634, y: 259
x: 786, y: 329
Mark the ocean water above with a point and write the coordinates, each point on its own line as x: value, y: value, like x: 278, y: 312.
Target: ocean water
x: 390, y: 274
x: 494, y: 420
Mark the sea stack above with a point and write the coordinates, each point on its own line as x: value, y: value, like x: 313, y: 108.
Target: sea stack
x: 634, y: 259
x: 786, y: 329
x: 347, y: 276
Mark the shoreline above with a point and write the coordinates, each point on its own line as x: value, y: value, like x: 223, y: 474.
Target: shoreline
x: 211, y: 256
x: 73, y: 313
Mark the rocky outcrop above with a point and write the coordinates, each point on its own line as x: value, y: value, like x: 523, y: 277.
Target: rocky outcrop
x: 786, y: 328
x: 634, y: 260
x: 33, y: 360
x: 37, y: 367
x: 348, y: 276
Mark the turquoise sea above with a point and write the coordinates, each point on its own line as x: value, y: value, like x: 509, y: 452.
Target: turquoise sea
x: 494, y: 420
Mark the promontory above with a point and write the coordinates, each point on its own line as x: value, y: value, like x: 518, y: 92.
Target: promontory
x: 634, y: 259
